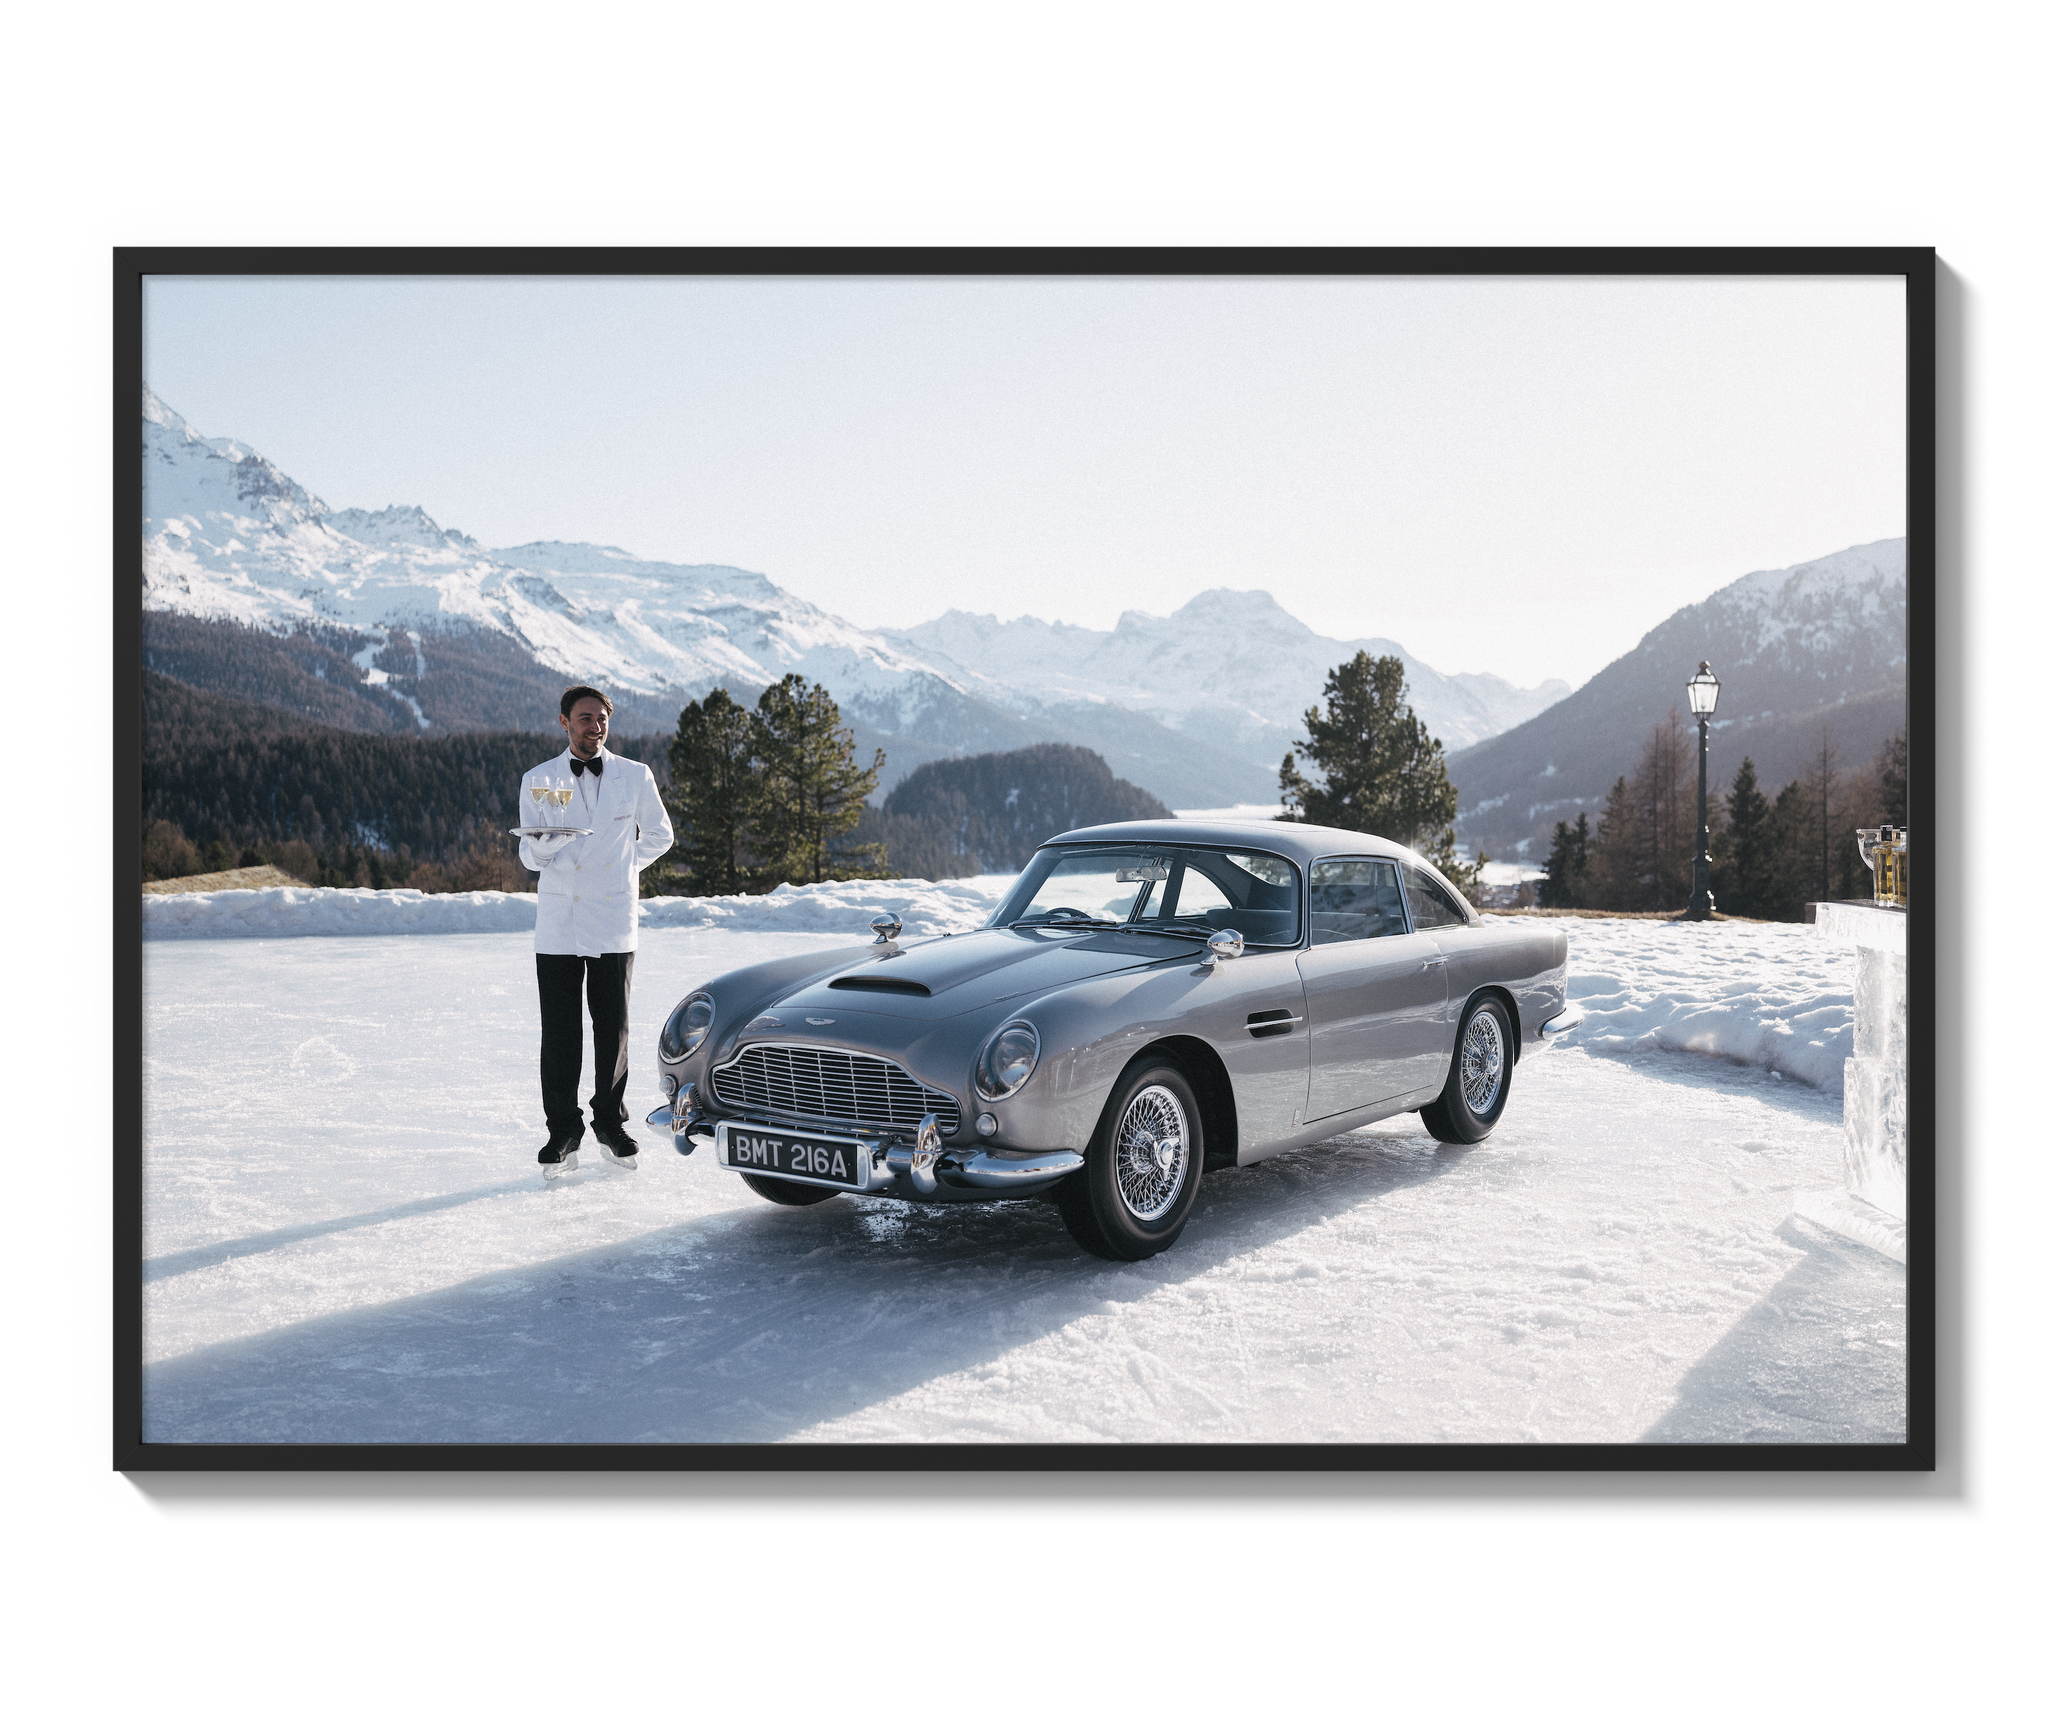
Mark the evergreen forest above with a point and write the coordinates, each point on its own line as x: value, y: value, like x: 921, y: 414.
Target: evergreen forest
x: 759, y: 796
x: 1771, y: 854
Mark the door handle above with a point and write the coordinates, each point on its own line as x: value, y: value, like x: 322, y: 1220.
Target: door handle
x: 1435, y: 960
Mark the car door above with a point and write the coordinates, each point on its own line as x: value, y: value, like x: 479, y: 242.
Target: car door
x: 1375, y: 990
x: 1251, y: 1009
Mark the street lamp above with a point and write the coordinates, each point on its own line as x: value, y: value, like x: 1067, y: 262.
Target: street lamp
x: 1702, y: 692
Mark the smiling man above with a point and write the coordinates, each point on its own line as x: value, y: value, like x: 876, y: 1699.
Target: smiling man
x: 614, y: 827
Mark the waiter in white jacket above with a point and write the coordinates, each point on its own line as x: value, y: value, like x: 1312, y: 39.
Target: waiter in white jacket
x: 589, y: 925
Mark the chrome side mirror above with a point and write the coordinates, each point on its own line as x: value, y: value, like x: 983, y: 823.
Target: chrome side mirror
x: 1224, y: 945
x: 887, y: 927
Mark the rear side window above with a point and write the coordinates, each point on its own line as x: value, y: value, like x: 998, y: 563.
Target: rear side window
x: 1350, y: 900
x: 1431, y: 903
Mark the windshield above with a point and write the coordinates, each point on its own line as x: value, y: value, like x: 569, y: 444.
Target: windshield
x: 1174, y: 890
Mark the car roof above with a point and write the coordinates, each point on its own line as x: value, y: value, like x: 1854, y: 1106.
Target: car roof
x: 1297, y: 841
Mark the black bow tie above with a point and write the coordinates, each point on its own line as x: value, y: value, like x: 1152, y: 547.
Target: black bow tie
x: 577, y: 765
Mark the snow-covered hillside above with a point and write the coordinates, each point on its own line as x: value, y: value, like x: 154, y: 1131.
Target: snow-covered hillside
x: 1231, y: 666
x: 229, y: 536
x: 1793, y: 647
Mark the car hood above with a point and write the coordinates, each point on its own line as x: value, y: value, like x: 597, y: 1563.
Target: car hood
x: 953, y: 975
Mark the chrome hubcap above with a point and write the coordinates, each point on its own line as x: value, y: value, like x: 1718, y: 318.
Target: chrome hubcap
x: 1151, y: 1152
x: 1482, y: 1060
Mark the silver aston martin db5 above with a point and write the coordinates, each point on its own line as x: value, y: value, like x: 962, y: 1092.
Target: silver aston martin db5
x: 1150, y: 1000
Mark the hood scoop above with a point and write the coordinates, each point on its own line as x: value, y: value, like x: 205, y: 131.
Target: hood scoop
x: 891, y: 986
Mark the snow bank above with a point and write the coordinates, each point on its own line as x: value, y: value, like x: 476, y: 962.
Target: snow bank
x: 927, y: 909
x: 1774, y: 996
x: 959, y: 904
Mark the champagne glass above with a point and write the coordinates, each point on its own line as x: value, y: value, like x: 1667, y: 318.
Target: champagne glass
x: 539, y: 790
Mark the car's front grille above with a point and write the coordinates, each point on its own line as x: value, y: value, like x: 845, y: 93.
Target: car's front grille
x: 805, y: 1083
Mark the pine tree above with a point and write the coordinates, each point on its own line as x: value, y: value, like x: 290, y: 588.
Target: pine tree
x: 1564, y: 876
x: 1664, y: 823
x: 814, y: 787
x: 1792, y: 861
x: 1743, y: 879
x: 1381, y: 772
x: 716, y: 795
x: 1891, y: 780
x: 1614, y: 856
x: 1823, y: 785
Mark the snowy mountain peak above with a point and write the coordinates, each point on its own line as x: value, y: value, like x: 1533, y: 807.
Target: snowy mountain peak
x: 1842, y: 613
x: 393, y: 526
x: 228, y: 535
x: 1233, y: 667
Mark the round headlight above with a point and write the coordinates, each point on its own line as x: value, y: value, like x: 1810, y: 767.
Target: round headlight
x: 1007, y: 1062
x: 687, y: 1027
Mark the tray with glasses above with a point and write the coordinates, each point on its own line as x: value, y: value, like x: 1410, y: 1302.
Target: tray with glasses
x: 556, y: 793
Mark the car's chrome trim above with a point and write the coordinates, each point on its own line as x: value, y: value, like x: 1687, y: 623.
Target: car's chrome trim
x: 898, y: 1112
x: 1023, y: 1174
x: 1559, y: 1024
x: 1274, y: 1024
x: 676, y: 1115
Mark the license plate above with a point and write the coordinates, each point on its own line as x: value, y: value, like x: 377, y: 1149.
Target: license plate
x: 814, y: 1157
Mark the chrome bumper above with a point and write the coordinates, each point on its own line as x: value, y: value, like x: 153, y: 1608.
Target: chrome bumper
x: 1559, y: 1024
x: 918, y: 1170
x: 683, y: 1116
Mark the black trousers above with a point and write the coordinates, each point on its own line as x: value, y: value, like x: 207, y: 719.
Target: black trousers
x: 562, y: 981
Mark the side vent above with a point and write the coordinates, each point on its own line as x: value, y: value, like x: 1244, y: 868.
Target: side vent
x: 1271, y: 1022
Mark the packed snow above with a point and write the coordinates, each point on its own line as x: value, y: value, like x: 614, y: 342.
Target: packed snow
x: 346, y: 1238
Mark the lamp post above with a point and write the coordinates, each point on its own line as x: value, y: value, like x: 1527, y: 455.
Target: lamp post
x: 1702, y: 692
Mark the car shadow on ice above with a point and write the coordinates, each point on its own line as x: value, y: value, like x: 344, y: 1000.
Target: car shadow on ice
x: 742, y: 1326
x: 1820, y: 1359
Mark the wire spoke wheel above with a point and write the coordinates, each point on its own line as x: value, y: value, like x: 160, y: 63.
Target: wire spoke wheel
x: 1482, y: 1058
x: 1151, y: 1152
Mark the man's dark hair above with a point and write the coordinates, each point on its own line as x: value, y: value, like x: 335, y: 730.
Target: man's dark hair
x: 570, y: 698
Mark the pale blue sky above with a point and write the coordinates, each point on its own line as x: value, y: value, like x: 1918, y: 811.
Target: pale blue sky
x: 1520, y: 475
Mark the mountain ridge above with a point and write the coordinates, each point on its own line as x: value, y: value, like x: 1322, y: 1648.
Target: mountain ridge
x: 1822, y: 642
x: 231, y: 538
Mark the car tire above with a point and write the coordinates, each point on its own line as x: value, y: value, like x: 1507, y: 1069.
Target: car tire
x: 1131, y: 1196
x: 1482, y: 1068
x: 788, y: 1192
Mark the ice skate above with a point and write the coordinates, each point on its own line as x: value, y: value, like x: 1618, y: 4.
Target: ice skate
x: 618, y: 1148
x: 558, y: 1158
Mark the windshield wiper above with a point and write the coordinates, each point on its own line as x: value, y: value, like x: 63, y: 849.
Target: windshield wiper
x: 1079, y: 921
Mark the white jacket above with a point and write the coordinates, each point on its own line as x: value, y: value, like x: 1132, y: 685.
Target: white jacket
x: 590, y: 889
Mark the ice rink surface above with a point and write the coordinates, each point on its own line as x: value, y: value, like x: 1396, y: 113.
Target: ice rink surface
x: 346, y: 1238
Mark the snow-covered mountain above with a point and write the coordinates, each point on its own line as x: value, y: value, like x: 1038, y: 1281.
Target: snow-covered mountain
x: 229, y: 536
x: 1197, y: 706
x: 1232, y: 667
x: 1794, y: 648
